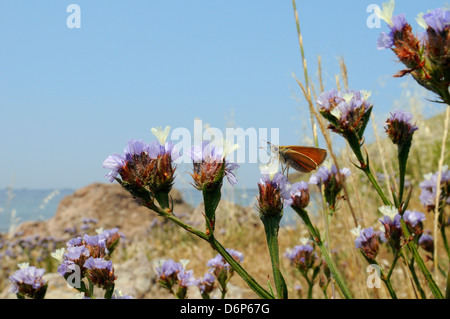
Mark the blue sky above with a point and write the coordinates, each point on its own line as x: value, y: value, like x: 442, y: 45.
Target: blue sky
x: 71, y: 97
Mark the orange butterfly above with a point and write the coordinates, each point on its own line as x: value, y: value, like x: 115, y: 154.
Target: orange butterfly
x: 301, y: 158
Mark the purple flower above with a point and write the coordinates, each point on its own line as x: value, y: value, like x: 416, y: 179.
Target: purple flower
x: 437, y: 19
x: 386, y: 41
x: 28, y: 277
x: 392, y: 230
x: 76, y: 252
x: 135, y: 147
x: 332, y: 183
x: 368, y: 242
x: 208, y: 161
x: 114, y: 162
x: 273, y: 191
x: 302, y: 257
x: 427, y: 243
x: 399, y: 127
x: 186, y: 278
x: 206, y: 284
x: 222, y: 269
x: 156, y: 150
x: 428, y: 189
x: 413, y: 218
x: 100, y: 272
x: 299, y: 195
x: 98, y: 263
x: 169, y: 268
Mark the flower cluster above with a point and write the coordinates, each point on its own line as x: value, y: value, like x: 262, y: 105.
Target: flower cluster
x: 303, y: 257
x: 399, y: 127
x: 428, y: 189
x: 273, y: 191
x: 210, y: 165
x: 327, y: 175
x: 392, y: 226
x: 174, y: 277
x: 87, y: 257
x: 27, y: 282
x: 426, y: 56
x: 144, y: 165
x: 347, y: 112
x: 299, y: 195
x: 368, y: 241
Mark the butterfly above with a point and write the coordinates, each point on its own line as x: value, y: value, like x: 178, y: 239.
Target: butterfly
x: 304, y: 159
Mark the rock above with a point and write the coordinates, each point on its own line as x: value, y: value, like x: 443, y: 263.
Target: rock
x: 110, y: 204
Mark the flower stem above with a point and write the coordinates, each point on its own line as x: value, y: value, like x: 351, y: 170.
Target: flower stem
x: 316, y: 236
x: 251, y: 282
x: 413, y: 248
x: 271, y: 227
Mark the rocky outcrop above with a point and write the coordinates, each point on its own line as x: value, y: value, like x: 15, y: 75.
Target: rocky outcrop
x: 109, y: 204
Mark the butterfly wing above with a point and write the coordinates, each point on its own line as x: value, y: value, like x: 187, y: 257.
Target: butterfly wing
x: 303, y: 158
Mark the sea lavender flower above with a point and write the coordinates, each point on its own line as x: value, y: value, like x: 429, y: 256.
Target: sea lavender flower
x: 427, y: 243
x: 392, y: 226
x: 28, y: 282
x: 185, y: 279
x: 206, y: 285
x: 367, y: 241
x: 134, y: 167
x: 414, y: 220
x: 348, y: 114
x: 100, y: 272
x: 273, y: 191
x: 167, y: 273
x: 437, y: 19
x: 399, y: 127
x: 299, y: 195
x: 428, y: 189
x: 386, y: 40
x: 426, y: 56
x: 333, y: 183
x: 210, y: 165
x: 220, y: 268
x: 303, y: 257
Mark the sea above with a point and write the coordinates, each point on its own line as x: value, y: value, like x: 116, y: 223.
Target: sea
x: 19, y: 205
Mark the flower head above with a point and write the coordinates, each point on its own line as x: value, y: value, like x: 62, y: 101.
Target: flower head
x: 368, y: 242
x: 399, y: 127
x: 347, y: 112
x: 100, y: 272
x: 272, y: 193
x: 28, y: 282
x: 392, y: 226
x: 206, y: 284
x: 302, y: 257
x: 299, y: 195
x: 427, y: 243
x: 327, y: 175
x: 414, y: 221
x: 428, y: 189
x: 221, y: 269
x: 437, y: 19
x: 210, y: 165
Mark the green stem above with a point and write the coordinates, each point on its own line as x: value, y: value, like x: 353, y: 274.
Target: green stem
x: 414, y: 276
x: 420, y: 263
x: 271, y: 227
x: 251, y: 282
x: 316, y: 236
x: 394, y: 262
x: 444, y: 239
x: 366, y: 170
